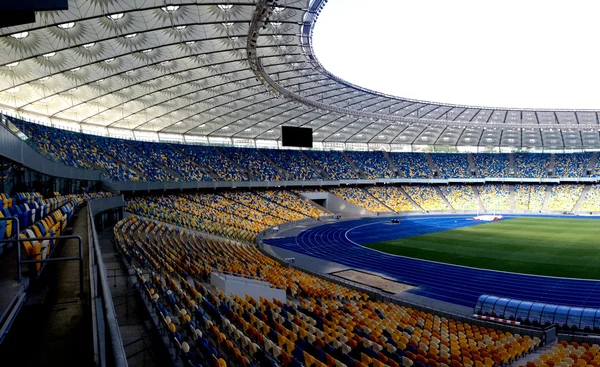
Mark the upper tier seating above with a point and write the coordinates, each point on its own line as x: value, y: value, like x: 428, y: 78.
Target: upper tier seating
x: 411, y: 165
x: 360, y: 197
x: 293, y: 162
x: 392, y: 197
x: 451, y: 165
x: 571, y: 165
x: 170, y: 156
x: 372, y: 164
x: 254, y: 162
x: 492, y: 165
x: 129, y: 160
x: 426, y: 197
x: 531, y: 165
x: 495, y: 197
x: 211, y: 158
x: 79, y: 150
x: 321, y: 324
x: 461, y: 197
x: 334, y: 164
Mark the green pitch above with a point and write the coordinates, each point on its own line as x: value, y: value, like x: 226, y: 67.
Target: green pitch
x: 544, y: 246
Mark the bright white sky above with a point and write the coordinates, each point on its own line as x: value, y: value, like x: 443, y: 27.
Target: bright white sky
x: 509, y: 53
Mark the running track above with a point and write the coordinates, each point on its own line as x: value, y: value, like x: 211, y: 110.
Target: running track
x: 340, y: 242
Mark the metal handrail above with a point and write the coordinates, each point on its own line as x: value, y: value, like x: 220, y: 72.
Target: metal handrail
x: 54, y: 259
x: 99, y: 277
x: 15, y: 219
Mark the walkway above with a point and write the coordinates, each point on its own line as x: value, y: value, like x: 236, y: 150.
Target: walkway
x: 54, y: 326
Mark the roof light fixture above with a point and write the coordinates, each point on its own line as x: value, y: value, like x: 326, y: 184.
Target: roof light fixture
x: 66, y: 25
x: 115, y: 17
x: 225, y: 7
x: 131, y: 35
x: 87, y: 46
x: 170, y: 8
x: 20, y: 35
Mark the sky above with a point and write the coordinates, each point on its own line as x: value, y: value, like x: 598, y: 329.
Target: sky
x: 521, y: 54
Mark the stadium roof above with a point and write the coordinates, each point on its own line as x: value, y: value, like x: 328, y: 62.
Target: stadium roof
x: 233, y: 71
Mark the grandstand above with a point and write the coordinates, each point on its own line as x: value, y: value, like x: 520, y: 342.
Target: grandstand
x: 151, y: 213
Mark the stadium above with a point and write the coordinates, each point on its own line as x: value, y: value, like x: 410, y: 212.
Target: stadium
x: 185, y: 184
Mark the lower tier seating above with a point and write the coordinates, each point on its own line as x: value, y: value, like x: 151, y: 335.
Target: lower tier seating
x: 320, y: 324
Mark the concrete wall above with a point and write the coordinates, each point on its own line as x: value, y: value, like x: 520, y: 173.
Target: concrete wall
x: 336, y: 204
x: 242, y: 286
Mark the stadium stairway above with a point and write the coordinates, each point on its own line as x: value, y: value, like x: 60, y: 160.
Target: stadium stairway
x: 354, y: 168
x: 513, y: 205
x: 281, y: 171
x: 441, y: 194
x: 432, y: 167
x: 409, y: 198
x: 377, y: 200
x: 233, y: 163
x: 479, y: 202
x: 592, y: 162
x: 581, y: 199
x: 141, y: 341
x: 391, y: 162
x: 551, y: 166
x: 319, y: 170
x: 511, y: 164
x: 472, y: 167
x: 532, y: 356
x: 547, y: 198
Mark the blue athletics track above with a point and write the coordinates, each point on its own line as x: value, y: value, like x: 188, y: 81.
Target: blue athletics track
x: 341, y: 242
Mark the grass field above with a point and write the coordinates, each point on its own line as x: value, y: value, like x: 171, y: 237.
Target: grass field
x: 544, y: 246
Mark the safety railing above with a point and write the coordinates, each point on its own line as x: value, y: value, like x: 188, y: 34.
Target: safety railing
x: 17, y: 240
x: 108, y: 345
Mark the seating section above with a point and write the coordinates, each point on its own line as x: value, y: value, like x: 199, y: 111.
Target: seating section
x: 592, y: 200
x: 568, y: 355
x: 360, y: 197
x: 450, y: 165
x: 293, y: 202
x: 492, y: 165
x: 334, y: 164
x: 258, y: 167
x: 233, y: 214
x: 529, y: 197
x: 392, y: 197
x: 129, y: 160
x: 411, y: 165
x: 130, y: 152
x: 38, y: 218
x: 531, y: 165
x: 211, y: 158
x: 563, y: 197
x: 372, y: 164
x: 77, y: 150
x: 495, y: 197
x: 571, y: 165
x: 461, y: 197
x: 426, y: 197
x: 321, y: 324
x: 293, y: 162
x: 168, y: 155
